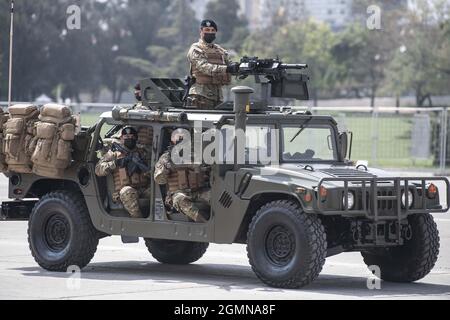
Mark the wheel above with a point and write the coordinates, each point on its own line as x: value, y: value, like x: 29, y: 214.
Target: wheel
x: 176, y: 252
x: 60, y: 232
x: 286, y: 247
x: 415, y: 259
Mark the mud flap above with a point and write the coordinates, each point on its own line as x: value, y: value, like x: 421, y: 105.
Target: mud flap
x: 129, y: 240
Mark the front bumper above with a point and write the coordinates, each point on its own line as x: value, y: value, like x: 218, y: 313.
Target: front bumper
x: 379, y: 199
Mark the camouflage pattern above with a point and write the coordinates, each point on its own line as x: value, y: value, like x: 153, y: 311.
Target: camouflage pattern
x: 130, y: 194
x: 190, y: 203
x: 212, y: 93
x: 187, y: 202
x: 201, y: 102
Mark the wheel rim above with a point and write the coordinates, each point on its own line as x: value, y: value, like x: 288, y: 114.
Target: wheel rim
x: 280, y: 245
x: 57, y: 232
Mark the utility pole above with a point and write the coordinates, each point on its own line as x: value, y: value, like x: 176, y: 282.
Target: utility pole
x: 11, y: 37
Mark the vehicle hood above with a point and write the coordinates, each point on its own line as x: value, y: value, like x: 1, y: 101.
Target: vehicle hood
x: 297, y: 174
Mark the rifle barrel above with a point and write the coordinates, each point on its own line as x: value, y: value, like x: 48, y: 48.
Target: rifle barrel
x: 294, y: 66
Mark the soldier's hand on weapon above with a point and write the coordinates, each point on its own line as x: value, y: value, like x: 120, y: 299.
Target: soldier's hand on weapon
x: 122, y: 162
x: 233, y: 68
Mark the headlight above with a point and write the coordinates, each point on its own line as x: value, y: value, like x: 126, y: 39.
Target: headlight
x: 351, y: 200
x: 410, y: 199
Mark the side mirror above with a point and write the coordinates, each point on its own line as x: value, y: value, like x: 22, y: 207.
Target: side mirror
x: 343, y: 145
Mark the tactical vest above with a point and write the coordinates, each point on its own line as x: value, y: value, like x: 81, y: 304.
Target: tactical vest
x: 18, y: 137
x: 214, y: 55
x: 54, y: 132
x: 3, y: 119
x: 187, y: 180
x: 122, y: 179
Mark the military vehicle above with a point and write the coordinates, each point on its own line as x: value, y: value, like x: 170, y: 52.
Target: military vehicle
x: 311, y: 203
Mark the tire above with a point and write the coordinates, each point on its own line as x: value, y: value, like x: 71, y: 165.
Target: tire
x: 286, y: 247
x: 176, y: 252
x: 60, y: 232
x: 415, y: 259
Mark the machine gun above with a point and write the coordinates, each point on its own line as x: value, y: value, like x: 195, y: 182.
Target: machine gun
x: 131, y: 162
x: 284, y: 83
x: 272, y: 69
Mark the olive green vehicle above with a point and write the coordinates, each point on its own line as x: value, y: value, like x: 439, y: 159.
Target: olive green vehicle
x: 313, y: 204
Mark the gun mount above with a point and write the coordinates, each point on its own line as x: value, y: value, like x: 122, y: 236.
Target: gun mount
x: 277, y: 80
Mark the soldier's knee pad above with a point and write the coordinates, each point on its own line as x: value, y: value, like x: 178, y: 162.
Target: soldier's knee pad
x: 128, y: 193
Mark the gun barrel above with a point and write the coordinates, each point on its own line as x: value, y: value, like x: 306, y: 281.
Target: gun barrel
x: 294, y: 66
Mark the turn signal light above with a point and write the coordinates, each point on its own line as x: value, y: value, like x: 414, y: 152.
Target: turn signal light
x: 323, y: 192
x: 432, y: 191
x: 308, y: 197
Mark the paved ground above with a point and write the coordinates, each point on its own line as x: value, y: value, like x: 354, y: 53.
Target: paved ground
x: 128, y: 272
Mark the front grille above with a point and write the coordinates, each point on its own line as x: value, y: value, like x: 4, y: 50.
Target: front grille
x: 385, y: 207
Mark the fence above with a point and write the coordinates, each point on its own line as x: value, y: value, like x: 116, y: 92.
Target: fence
x: 397, y: 137
x: 408, y: 138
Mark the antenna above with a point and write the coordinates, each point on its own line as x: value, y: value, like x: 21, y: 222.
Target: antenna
x: 11, y: 35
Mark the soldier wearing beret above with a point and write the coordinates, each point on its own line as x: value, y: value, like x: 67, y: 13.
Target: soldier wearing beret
x: 211, y: 68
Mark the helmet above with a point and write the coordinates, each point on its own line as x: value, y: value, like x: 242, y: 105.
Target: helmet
x: 128, y: 130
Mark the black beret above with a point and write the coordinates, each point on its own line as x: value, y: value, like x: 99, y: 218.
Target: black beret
x: 129, y: 130
x: 208, y: 23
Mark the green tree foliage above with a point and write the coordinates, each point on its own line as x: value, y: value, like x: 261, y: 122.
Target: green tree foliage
x: 232, y: 27
x: 422, y: 62
x: 299, y: 42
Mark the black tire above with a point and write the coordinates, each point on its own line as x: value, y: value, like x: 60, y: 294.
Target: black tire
x: 60, y: 232
x: 286, y: 247
x: 415, y: 259
x: 176, y: 252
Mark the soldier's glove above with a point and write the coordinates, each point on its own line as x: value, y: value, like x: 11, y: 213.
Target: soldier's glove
x: 233, y: 68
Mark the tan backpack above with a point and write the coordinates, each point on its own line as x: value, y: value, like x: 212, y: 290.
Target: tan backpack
x: 3, y: 118
x: 54, y: 132
x: 18, y: 137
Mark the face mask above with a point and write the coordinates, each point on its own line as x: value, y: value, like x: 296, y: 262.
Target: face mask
x: 209, y: 37
x: 130, y: 143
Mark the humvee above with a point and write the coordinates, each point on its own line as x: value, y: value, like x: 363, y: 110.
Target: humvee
x: 310, y: 204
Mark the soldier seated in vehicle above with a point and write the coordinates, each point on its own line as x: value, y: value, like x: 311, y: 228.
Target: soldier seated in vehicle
x: 126, y: 162
x: 188, y: 188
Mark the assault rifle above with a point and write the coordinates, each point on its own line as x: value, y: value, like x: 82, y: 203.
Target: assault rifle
x: 131, y: 162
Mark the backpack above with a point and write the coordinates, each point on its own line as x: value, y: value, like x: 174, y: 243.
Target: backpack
x: 18, y: 137
x: 3, y: 119
x: 55, y: 132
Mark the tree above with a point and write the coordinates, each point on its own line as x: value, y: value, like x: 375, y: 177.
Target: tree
x: 232, y: 28
x: 422, y: 61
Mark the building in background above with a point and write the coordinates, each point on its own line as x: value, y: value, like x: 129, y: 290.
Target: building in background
x: 336, y: 13
x: 260, y: 13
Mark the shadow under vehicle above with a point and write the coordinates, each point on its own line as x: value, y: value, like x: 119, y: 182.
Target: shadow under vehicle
x: 309, y: 203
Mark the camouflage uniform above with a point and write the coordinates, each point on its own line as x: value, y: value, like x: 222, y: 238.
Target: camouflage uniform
x: 128, y: 189
x: 188, y: 186
x: 209, y: 67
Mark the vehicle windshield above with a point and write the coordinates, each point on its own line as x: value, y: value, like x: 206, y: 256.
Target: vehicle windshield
x: 308, y: 143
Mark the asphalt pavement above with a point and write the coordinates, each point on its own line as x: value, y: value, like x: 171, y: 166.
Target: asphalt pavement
x: 121, y: 271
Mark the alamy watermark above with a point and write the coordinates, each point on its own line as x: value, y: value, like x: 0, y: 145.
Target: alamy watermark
x: 374, y: 282
x: 73, y: 21
x: 373, y: 21
x: 73, y: 281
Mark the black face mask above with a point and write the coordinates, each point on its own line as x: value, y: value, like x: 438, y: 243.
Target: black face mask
x: 130, y: 143
x: 209, y: 37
